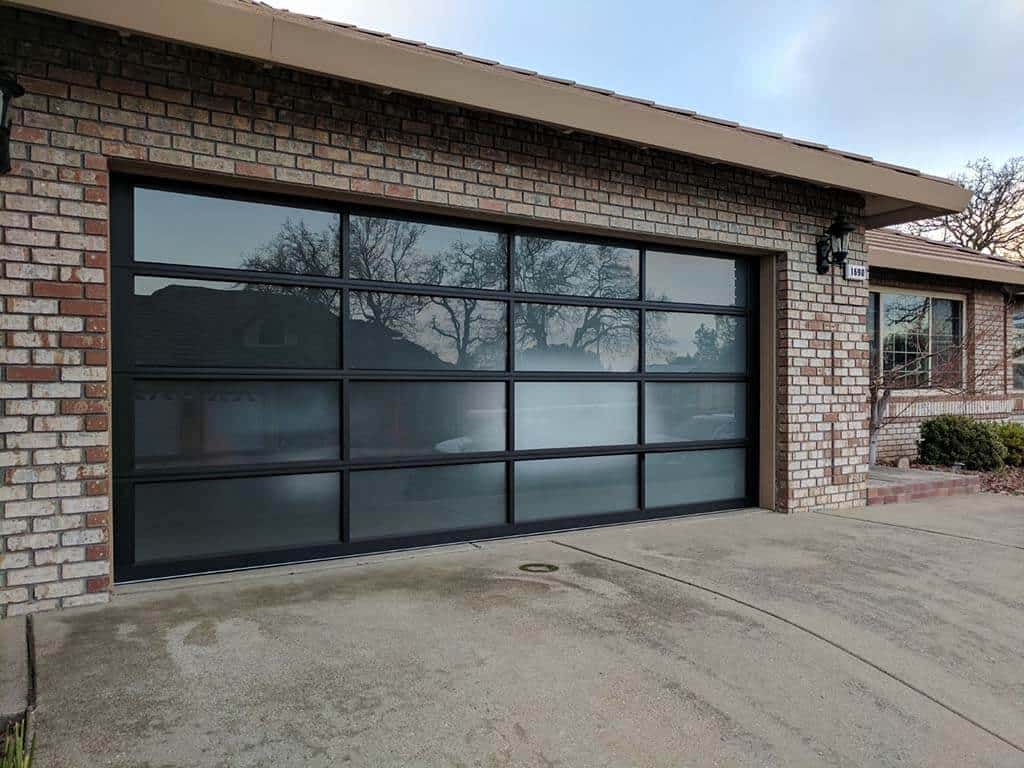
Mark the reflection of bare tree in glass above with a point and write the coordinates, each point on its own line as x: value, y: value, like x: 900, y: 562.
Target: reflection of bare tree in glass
x: 475, y: 335
x: 297, y: 250
x: 385, y: 250
x: 582, y: 332
x: 578, y: 269
x: 590, y: 270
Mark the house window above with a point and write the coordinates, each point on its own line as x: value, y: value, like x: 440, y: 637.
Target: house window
x: 916, y: 340
x: 1017, y: 347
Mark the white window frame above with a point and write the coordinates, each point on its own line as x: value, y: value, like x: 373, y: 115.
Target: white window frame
x: 959, y: 297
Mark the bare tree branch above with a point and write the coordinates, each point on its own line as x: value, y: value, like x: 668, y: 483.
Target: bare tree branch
x: 993, y: 221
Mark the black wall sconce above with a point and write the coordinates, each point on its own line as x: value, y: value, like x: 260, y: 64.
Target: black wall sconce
x: 834, y: 244
x: 10, y: 90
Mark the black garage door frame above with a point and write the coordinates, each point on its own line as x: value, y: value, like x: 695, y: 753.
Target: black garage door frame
x: 126, y: 373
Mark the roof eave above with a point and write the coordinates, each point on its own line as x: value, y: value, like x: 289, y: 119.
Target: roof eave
x: 1003, y: 274
x: 302, y: 43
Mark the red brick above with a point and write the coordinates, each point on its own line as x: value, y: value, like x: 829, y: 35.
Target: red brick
x: 96, y: 584
x: 96, y: 423
x: 97, y: 455
x: 56, y: 290
x: 31, y: 373
x: 78, y: 407
x: 96, y: 488
x: 83, y: 307
x: 97, y: 390
x: 96, y: 519
x: 83, y: 341
x: 97, y: 552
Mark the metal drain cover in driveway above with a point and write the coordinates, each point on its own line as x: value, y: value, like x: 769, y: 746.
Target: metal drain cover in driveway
x: 538, y: 567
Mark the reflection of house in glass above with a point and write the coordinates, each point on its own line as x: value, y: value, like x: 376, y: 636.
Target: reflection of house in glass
x: 205, y: 323
x: 393, y: 331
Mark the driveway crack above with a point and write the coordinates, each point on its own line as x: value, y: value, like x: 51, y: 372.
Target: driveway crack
x: 800, y: 627
x: 922, y: 530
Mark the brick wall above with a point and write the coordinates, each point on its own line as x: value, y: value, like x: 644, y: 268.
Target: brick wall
x: 988, y: 392
x: 96, y: 99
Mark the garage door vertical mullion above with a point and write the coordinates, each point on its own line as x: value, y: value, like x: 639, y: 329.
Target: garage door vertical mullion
x: 641, y: 367
x: 344, y: 417
x: 510, y: 383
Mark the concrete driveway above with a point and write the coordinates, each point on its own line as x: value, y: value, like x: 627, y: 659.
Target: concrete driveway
x: 738, y: 639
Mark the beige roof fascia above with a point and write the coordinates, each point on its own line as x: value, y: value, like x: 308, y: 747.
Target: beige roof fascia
x: 969, y: 269
x: 892, y: 194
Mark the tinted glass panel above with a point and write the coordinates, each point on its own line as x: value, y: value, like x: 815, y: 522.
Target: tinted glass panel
x: 204, y: 423
x: 676, y: 412
x: 690, y: 279
x: 550, y: 489
x: 691, y: 343
x: 392, y: 418
x: 398, y: 502
x: 237, y: 325
x: 690, y: 477
x: 563, y: 414
x: 565, y: 267
x: 408, y: 252
x: 403, y: 332
x: 552, y: 337
x: 174, y: 228
x: 197, y: 518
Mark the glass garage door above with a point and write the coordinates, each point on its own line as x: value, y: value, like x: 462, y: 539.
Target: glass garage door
x: 295, y: 380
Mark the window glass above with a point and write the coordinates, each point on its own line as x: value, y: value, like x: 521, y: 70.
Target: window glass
x: 403, y: 502
x: 404, y: 332
x: 411, y: 418
x: 399, y: 251
x: 692, y: 477
x: 905, y: 330
x: 551, y: 489
x: 572, y: 268
x: 946, y: 355
x: 558, y: 337
x: 921, y: 340
x: 204, y: 518
x: 206, y: 323
x: 690, y: 279
x: 1017, y: 348
x: 692, y: 343
x: 206, y: 231
x: 873, y: 336
x: 207, y: 423
x: 677, y: 412
x: 553, y: 414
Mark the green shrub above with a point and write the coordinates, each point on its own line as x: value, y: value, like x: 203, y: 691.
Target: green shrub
x: 1012, y: 436
x: 960, y: 439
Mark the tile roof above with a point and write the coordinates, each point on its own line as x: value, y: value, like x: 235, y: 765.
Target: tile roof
x: 894, y: 241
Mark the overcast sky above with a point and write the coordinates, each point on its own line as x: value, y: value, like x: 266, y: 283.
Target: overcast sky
x: 925, y: 84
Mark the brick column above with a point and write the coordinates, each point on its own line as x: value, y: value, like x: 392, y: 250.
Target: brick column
x: 54, y: 529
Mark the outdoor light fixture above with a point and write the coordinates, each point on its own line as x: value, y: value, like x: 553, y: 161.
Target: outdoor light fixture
x: 834, y: 244
x: 9, y: 91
